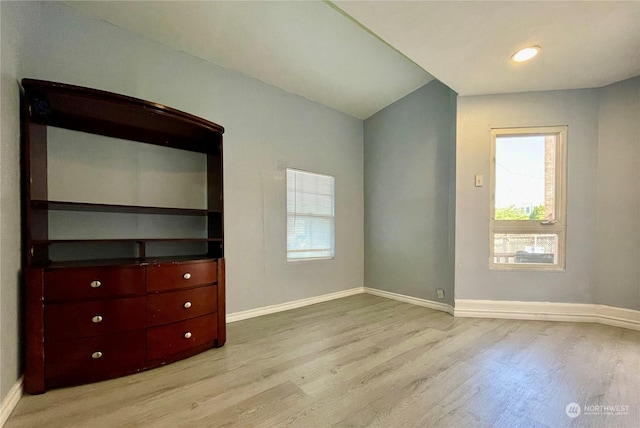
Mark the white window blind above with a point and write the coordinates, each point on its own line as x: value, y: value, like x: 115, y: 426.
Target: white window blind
x: 310, y: 215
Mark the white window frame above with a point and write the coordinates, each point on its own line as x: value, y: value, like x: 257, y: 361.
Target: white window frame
x: 557, y: 226
x: 332, y: 217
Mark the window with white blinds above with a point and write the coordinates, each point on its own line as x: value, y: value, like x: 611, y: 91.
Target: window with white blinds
x: 310, y: 215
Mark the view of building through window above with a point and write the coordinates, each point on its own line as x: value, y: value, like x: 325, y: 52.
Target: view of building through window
x: 525, y: 177
x: 525, y: 224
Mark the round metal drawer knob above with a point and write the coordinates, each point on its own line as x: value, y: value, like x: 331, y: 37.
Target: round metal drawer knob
x: 187, y: 275
x: 187, y: 335
x: 96, y: 355
x: 186, y: 305
x: 95, y: 284
x: 97, y: 319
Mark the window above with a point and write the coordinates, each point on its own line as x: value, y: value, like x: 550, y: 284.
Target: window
x: 310, y: 215
x: 528, y: 203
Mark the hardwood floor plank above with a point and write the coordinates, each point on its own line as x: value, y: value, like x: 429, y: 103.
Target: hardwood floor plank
x: 367, y: 361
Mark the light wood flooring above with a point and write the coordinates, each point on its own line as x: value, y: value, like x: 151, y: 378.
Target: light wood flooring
x: 368, y: 361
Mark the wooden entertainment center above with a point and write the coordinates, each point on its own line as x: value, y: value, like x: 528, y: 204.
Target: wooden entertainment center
x: 95, y: 319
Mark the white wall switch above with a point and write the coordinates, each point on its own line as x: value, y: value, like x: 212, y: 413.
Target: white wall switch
x: 479, y: 180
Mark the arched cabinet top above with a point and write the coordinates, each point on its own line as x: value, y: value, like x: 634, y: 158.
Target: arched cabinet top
x: 119, y: 116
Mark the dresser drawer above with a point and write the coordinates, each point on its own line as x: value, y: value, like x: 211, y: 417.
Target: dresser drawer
x: 180, y: 336
x: 95, y: 358
x: 94, y: 318
x: 164, y: 308
x: 181, y: 275
x: 93, y: 283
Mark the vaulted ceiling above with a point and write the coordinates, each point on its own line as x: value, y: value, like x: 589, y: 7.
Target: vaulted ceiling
x: 359, y: 57
x: 468, y: 44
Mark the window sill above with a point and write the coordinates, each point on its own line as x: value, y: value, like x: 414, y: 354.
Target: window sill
x: 295, y: 261
x: 526, y: 268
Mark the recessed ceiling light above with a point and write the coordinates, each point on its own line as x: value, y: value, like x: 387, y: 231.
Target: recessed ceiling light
x: 526, y: 53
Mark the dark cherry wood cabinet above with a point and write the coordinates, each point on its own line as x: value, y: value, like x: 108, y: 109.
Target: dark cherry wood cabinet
x: 90, y: 320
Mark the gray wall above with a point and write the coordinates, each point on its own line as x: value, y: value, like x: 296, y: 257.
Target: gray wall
x: 267, y: 130
x: 409, y: 165
x: 12, y: 31
x: 476, y: 116
x: 618, y: 196
x: 91, y: 168
x: 603, y: 225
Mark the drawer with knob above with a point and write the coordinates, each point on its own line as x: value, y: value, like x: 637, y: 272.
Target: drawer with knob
x: 168, y: 276
x: 95, y: 358
x: 180, y: 336
x: 94, y: 318
x: 93, y: 283
x: 164, y: 308
x: 87, y: 323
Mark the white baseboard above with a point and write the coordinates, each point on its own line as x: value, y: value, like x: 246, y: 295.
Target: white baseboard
x: 466, y: 308
x: 10, y: 401
x: 548, y: 311
x: 618, y: 317
x: 438, y: 306
x: 252, y: 313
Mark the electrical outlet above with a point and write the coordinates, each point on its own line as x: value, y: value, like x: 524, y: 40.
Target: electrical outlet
x: 479, y: 180
x: 440, y: 292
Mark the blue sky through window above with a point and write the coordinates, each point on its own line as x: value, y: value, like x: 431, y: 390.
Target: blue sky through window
x: 519, y: 171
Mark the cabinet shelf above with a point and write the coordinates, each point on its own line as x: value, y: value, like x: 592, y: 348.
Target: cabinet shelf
x: 131, y: 261
x: 40, y: 242
x: 134, y: 209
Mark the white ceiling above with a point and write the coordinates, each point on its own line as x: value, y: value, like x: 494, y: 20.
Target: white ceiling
x: 313, y: 50
x: 307, y: 48
x: 468, y: 44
